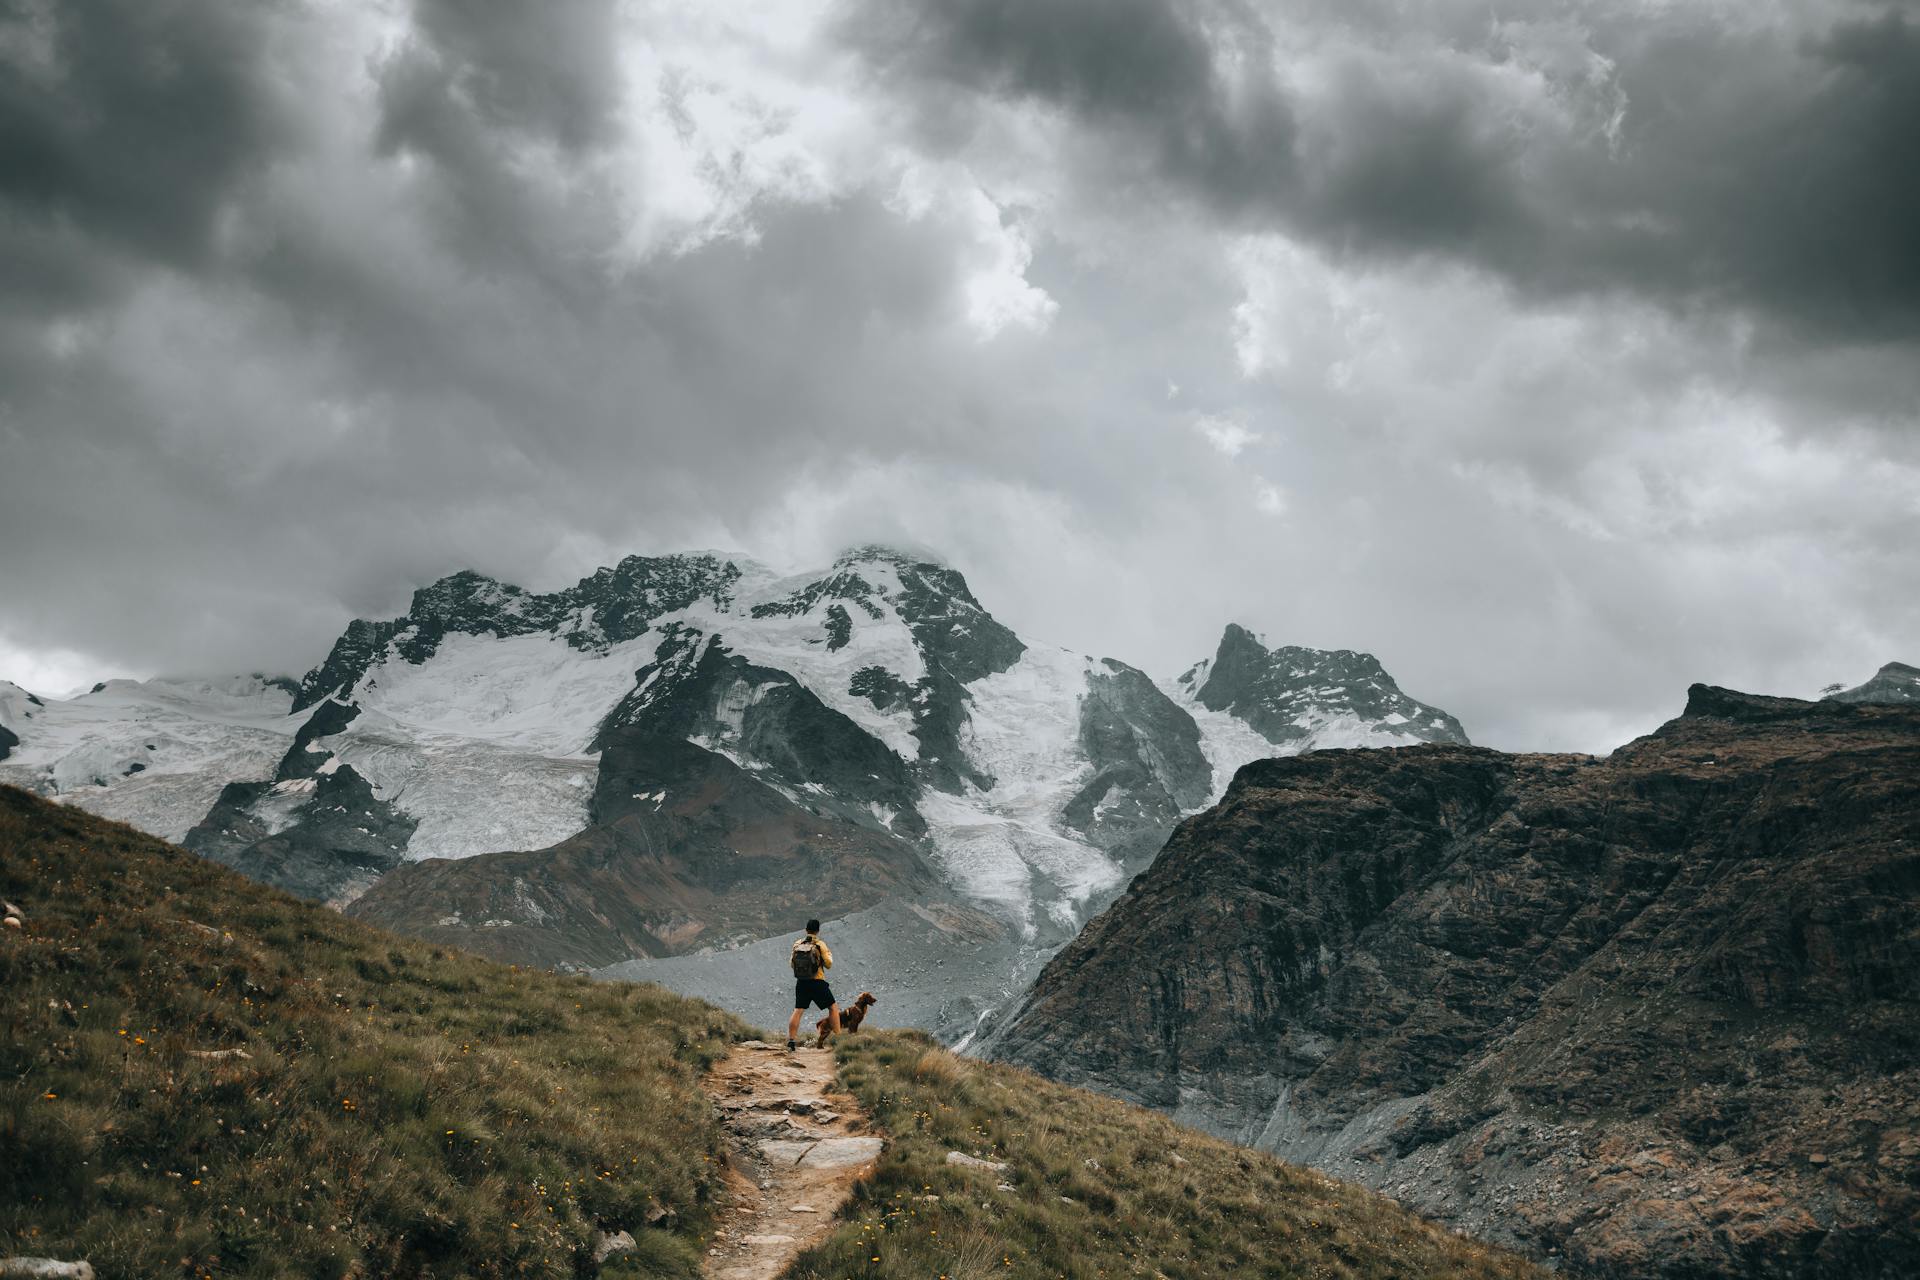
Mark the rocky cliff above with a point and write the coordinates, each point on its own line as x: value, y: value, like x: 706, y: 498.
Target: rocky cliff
x: 1652, y: 1014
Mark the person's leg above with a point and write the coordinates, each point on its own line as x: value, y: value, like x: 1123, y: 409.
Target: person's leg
x: 793, y: 1025
x: 833, y: 1018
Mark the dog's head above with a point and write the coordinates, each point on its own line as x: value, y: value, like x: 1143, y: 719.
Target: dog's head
x: 866, y: 998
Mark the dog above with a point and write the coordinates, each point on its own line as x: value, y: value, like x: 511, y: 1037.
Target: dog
x: 850, y: 1017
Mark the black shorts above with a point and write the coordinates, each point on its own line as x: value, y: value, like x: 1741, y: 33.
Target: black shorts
x: 812, y: 991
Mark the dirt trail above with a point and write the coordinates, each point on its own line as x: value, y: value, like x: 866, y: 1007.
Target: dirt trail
x: 798, y: 1148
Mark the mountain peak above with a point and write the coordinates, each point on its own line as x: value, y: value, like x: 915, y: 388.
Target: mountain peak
x: 918, y: 556
x: 1301, y: 698
x: 1895, y: 682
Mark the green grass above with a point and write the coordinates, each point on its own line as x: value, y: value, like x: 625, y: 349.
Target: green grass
x: 404, y: 1110
x: 401, y: 1110
x: 1099, y: 1189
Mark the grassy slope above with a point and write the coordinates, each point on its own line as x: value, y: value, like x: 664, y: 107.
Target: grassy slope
x: 1100, y: 1189
x: 405, y: 1110
x: 401, y: 1110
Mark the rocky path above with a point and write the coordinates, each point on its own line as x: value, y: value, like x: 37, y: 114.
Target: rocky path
x: 798, y: 1148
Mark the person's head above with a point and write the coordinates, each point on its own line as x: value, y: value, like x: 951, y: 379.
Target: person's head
x: 813, y: 926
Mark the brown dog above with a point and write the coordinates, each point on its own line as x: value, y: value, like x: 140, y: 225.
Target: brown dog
x: 850, y: 1018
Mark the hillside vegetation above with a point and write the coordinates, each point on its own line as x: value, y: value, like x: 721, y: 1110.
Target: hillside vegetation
x: 203, y: 1076
x: 1093, y: 1187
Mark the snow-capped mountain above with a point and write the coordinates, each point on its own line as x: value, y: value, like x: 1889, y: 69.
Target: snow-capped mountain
x: 687, y: 752
x: 1252, y: 702
x: 152, y: 753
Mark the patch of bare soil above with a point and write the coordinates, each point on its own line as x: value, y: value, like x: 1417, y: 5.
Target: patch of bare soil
x: 798, y: 1149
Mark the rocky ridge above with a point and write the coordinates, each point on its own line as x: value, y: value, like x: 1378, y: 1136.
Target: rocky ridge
x: 1651, y: 1014
x: 1252, y: 702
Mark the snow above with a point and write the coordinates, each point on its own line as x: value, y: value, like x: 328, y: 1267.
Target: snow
x: 1003, y: 846
x: 485, y: 744
x: 531, y: 693
x: 1011, y: 865
x: 190, y: 736
x: 468, y: 795
x: 797, y: 644
x: 1227, y: 741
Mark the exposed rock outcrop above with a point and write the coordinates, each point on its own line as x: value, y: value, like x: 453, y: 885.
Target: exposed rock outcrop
x: 1291, y: 694
x: 610, y: 605
x: 687, y: 850
x: 316, y: 829
x: 1148, y: 768
x: 1654, y: 1014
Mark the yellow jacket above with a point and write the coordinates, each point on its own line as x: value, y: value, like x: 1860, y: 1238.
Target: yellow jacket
x: 826, y: 956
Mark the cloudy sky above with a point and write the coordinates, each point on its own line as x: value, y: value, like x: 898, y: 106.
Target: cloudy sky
x: 1561, y: 354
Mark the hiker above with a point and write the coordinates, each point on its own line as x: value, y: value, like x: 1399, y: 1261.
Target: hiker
x: 811, y: 959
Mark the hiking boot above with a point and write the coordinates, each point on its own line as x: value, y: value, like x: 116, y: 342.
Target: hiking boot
x: 791, y: 1046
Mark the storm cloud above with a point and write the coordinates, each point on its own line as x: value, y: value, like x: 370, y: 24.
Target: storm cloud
x: 1765, y: 156
x: 1560, y: 361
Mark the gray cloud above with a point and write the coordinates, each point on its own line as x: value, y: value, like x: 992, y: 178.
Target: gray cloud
x: 128, y: 123
x: 309, y: 309
x: 1697, y: 156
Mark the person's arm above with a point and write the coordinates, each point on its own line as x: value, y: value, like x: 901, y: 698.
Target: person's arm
x: 826, y: 958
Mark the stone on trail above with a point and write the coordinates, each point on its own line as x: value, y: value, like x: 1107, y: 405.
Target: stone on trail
x: 827, y: 1153
x: 783, y: 1152
x: 843, y: 1153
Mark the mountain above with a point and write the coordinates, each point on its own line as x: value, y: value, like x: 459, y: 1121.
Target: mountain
x: 205, y: 1076
x: 688, y: 845
x: 667, y: 764
x: 1252, y: 702
x: 153, y: 753
x: 1652, y: 1014
x: 1895, y: 682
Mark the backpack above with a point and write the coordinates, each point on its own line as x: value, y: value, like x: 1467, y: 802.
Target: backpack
x: 806, y: 960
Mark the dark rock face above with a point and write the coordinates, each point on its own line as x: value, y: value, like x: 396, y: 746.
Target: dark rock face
x: 958, y: 640
x: 604, y: 609
x: 881, y: 687
x: 839, y: 627
x: 358, y: 648
x: 1273, y: 689
x: 343, y: 839
x: 1896, y: 682
x: 316, y: 830
x: 1148, y: 768
x: 8, y: 741
x: 1657, y: 1014
x: 687, y: 850
x: 696, y: 689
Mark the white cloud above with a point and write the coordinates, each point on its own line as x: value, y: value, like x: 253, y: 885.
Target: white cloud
x: 1225, y: 434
